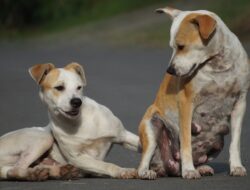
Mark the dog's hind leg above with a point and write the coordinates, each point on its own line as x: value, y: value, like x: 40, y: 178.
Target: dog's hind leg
x: 205, y: 170
x: 49, y: 168
x: 168, y: 144
x: 21, y: 171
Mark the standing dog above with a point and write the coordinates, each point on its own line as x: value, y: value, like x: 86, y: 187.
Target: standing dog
x: 206, y: 86
x: 83, y: 129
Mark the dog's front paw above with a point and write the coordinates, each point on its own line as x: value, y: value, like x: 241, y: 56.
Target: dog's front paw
x: 68, y: 172
x: 205, y: 170
x: 128, y: 173
x: 190, y: 174
x: 147, y: 174
x: 238, y: 171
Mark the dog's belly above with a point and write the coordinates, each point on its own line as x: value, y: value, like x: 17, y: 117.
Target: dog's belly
x: 213, y: 116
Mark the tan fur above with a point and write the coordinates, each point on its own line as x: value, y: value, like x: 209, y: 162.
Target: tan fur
x: 142, y: 131
x: 206, y: 25
x: 76, y: 67
x: 185, y: 100
x: 38, y: 71
x: 50, y: 80
x: 171, y: 90
x: 187, y: 33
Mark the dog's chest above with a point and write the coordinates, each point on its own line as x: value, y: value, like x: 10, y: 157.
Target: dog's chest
x: 214, y: 102
x: 97, y: 148
x: 94, y: 143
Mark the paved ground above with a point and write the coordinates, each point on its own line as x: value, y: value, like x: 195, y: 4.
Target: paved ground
x: 124, y: 79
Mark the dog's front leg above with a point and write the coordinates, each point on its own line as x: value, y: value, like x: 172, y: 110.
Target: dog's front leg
x: 148, y: 143
x: 236, y: 167
x: 91, y: 165
x: 185, y: 113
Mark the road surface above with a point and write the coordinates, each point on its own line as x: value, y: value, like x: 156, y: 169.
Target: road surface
x: 126, y: 80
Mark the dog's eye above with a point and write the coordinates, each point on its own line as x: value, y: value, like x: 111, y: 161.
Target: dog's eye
x: 59, y: 88
x: 180, y: 47
x: 79, y: 88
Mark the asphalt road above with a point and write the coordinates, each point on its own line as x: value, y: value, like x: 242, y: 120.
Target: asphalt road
x: 124, y: 79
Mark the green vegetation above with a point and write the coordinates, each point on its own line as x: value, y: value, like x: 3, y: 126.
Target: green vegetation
x: 35, y: 17
x: 235, y: 14
x: 32, y: 16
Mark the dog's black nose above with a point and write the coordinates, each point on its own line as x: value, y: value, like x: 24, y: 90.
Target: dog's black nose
x: 171, y: 70
x: 76, y: 102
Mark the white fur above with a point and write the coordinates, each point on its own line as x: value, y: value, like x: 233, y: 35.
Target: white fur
x: 83, y: 140
x: 86, y: 139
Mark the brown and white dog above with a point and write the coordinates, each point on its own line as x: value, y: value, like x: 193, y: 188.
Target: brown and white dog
x: 205, y: 86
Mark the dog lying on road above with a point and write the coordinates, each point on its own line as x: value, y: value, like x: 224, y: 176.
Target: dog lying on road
x: 206, y: 87
x: 83, y: 129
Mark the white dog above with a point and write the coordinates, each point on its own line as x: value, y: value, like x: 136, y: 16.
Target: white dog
x: 83, y: 129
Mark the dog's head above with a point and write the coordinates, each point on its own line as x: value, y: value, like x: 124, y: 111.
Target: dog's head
x: 191, y: 35
x: 60, y: 88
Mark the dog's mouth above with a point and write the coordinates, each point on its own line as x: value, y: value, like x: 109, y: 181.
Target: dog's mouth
x: 191, y: 71
x: 197, y: 66
x: 70, y: 114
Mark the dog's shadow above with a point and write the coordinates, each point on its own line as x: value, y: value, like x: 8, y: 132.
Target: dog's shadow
x: 219, y: 167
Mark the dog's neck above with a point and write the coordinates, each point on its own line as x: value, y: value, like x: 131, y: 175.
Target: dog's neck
x: 70, y: 126
x: 227, y: 50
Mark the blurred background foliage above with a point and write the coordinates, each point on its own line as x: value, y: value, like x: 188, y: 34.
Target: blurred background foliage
x: 20, y: 14
x: 22, y: 18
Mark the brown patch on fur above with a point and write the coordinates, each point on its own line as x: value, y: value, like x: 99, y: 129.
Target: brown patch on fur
x: 195, y: 28
x: 72, y: 66
x: 143, y: 125
x: 167, y: 99
x: 77, y: 68
x: 185, y: 102
x: 142, y: 129
x: 188, y: 33
x: 206, y: 25
x: 50, y: 80
x: 39, y: 71
x: 143, y: 137
x: 166, y: 96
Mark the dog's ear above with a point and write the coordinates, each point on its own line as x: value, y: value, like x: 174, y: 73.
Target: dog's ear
x: 169, y: 11
x: 79, y: 70
x: 39, y: 71
x: 206, y: 25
